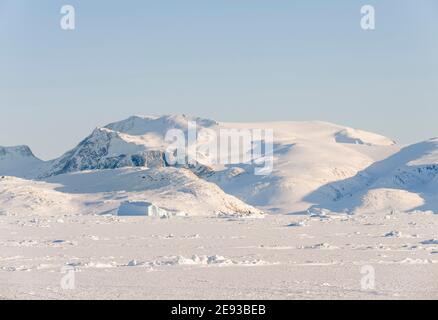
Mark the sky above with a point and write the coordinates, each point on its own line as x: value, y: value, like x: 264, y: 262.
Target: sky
x: 228, y: 60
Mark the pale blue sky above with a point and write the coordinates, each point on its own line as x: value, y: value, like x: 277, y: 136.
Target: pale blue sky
x: 231, y: 60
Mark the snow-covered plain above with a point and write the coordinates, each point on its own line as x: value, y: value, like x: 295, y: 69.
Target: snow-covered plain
x: 279, y: 257
x: 338, y: 200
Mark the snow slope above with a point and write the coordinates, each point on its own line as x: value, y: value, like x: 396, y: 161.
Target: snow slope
x: 134, y: 142
x: 405, y: 181
x: 355, y: 136
x: 22, y: 197
x: 102, y: 191
x: 307, y: 156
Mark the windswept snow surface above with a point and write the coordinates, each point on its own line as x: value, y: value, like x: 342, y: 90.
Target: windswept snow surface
x: 279, y: 257
x: 337, y: 202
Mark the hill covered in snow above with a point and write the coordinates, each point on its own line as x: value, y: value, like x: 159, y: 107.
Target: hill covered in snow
x: 405, y: 181
x: 19, y: 161
x: 178, y: 191
x: 307, y: 156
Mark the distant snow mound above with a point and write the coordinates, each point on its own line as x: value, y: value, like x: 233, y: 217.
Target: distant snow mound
x: 25, y: 197
x: 389, y: 200
x: 204, y: 260
x: 18, y: 161
x: 354, y: 136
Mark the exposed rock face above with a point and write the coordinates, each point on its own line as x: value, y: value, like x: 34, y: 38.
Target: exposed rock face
x: 105, y: 149
x: 139, y: 143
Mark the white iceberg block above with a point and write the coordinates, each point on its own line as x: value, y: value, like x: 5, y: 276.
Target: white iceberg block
x: 141, y: 208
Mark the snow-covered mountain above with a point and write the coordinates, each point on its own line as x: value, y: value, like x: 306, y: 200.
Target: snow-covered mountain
x: 405, y: 181
x: 315, y: 164
x: 307, y: 156
x: 18, y: 161
x: 105, y: 165
x: 106, y: 149
x: 134, y: 142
